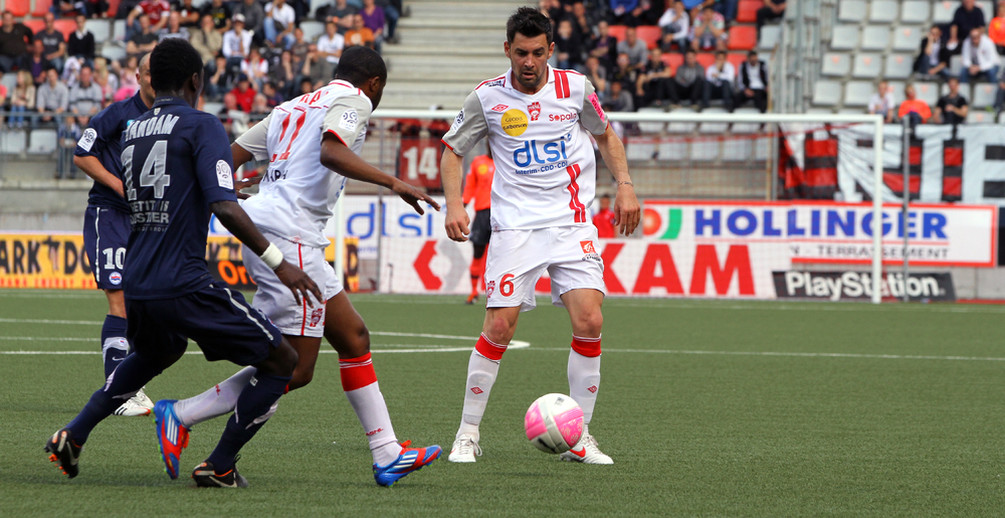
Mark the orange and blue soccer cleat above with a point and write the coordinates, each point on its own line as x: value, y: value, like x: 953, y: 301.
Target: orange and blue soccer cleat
x: 171, y: 435
x: 64, y: 452
x: 409, y: 460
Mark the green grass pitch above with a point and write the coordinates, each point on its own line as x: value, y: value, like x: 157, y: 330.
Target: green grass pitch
x: 710, y: 408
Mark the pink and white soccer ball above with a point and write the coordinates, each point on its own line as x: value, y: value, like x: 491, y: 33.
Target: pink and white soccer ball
x: 554, y: 423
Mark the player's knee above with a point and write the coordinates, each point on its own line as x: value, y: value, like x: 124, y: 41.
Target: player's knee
x: 499, y: 330
x: 588, y: 323
x: 301, y: 377
x: 282, y: 361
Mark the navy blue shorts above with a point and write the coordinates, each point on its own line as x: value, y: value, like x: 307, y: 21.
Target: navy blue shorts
x: 481, y: 228
x: 217, y: 318
x: 106, y: 233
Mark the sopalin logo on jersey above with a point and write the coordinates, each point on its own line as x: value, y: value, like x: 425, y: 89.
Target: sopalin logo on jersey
x: 832, y: 232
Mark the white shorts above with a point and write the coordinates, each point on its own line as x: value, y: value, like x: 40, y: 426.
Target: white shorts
x: 518, y: 258
x: 276, y: 301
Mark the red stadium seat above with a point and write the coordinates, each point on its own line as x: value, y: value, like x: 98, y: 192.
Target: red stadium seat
x: 34, y: 25
x: 742, y: 38
x: 747, y: 10
x: 66, y: 26
x: 41, y: 7
x: 706, y: 58
x: 18, y: 8
x: 113, y: 7
x: 673, y: 60
x: 618, y: 31
x: 650, y: 34
x: 736, y: 58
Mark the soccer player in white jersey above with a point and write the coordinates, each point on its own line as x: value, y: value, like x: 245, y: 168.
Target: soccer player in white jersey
x: 538, y: 121
x: 312, y: 144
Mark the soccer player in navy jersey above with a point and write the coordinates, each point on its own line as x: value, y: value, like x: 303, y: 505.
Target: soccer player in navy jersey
x: 106, y: 220
x: 177, y: 169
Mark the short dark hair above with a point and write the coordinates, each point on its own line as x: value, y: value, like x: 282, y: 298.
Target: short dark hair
x: 751, y: 53
x: 172, y: 62
x: 529, y: 22
x: 358, y: 64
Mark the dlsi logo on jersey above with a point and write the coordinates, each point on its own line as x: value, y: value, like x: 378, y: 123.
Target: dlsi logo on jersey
x: 551, y: 153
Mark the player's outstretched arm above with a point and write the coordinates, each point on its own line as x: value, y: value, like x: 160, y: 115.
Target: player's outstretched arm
x: 457, y: 218
x: 337, y: 157
x: 626, y: 206
x: 92, y: 167
x: 238, y: 223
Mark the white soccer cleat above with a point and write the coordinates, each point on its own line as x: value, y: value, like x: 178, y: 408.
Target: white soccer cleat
x: 587, y: 452
x: 465, y: 449
x: 138, y: 405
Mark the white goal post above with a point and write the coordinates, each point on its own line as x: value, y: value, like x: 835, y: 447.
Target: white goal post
x: 383, y: 145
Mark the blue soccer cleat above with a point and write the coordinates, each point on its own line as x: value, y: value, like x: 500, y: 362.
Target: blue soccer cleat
x: 171, y: 435
x: 409, y: 460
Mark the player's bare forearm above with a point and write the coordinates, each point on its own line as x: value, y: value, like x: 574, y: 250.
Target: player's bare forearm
x: 627, y: 212
x: 339, y: 158
x: 457, y: 219
x: 241, y: 155
x: 92, y: 167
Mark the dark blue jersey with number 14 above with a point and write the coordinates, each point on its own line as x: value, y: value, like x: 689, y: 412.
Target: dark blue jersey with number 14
x: 176, y: 161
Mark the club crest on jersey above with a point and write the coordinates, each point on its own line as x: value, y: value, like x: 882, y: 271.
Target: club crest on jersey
x: 490, y: 287
x: 514, y: 122
x: 500, y: 108
x: 589, y: 251
x: 316, y: 317
x: 534, y: 109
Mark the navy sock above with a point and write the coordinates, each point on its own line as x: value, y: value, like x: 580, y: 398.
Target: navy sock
x: 255, y: 405
x: 114, y: 346
x: 134, y: 372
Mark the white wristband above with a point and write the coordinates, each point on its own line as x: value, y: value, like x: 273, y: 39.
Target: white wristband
x: 272, y: 257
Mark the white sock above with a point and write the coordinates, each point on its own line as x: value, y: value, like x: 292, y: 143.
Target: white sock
x: 482, y: 374
x: 217, y: 401
x: 371, y: 410
x: 584, y: 382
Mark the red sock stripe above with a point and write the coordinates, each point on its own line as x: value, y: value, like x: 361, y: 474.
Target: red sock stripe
x: 589, y: 347
x: 356, y: 372
x: 488, y: 349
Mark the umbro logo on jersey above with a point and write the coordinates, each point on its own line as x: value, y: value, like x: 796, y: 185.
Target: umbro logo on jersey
x: 499, y: 108
x: 534, y: 109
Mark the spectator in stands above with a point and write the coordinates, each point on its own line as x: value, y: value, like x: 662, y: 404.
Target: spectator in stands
x: 221, y: 80
x: 244, y: 93
x: 341, y: 13
x: 635, y: 48
x: 621, y: 12
x: 933, y: 57
x: 236, y: 43
x: 173, y: 29
x: 623, y: 73
x: 156, y: 12
x: 653, y: 85
x: 913, y: 108
x: 280, y: 19
x: 619, y: 99
x: 719, y: 77
x: 22, y: 99
x: 85, y: 97
x: 235, y: 120
x: 604, y: 47
x: 392, y: 11
x: 221, y: 14
x: 373, y: 19
x: 254, y: 17
x: 92, y: 8
x: 260, y: 106
x: 271, y: 92
x: 952, y: 108
x: 360, y: 34
x: 753, y: 82
x: 35, y: 62
x: 597, y: 75
x: 81, y: 42
x: 996, y: 28
x: 709, y: 31
x: 128, y: 85
x: 207, y: 42
x: 568, y: 47
x: 53, y: 42
x: 68, y: 134
x: 583, y: 21
x: 882, y: 102
x: 52, y: 98
x: 329, y: 50
x: 144, y: 40
x: 605, y: 218
x: 14, y: 38
x: 688, y: 81
x: 676, y: 27
x: 108, y: 81
x: 980, y: 58
x: 728, y: 9
x: 772, y: 10
x: 256, y: 68
x: 300, y: 48
x: 191, y: 17
x: 968, y: 16
x: 281, y: 76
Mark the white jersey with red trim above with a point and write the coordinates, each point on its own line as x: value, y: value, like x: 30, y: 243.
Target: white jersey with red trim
x: 297, y: 194
x: 545, y: 166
